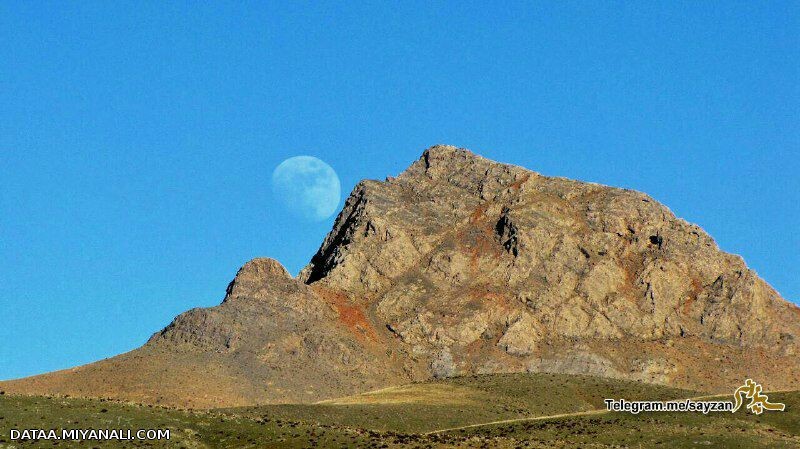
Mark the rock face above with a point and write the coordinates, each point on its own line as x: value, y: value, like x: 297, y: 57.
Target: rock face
x: 463, y: 265
x: 486, y: 267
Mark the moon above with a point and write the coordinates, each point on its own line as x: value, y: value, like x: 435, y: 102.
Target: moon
x: 307, y: 187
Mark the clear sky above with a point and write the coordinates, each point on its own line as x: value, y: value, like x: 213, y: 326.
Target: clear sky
x: 137, y: 140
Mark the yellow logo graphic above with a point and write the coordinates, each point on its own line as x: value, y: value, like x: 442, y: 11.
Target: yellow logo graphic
x: 758, y: 402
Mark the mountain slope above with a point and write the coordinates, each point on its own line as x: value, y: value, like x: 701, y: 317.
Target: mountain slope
x: 464, y: 265
x: 273, y: 339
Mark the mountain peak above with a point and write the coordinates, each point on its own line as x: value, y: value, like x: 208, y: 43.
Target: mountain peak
x: 263, y: 267
x: 257, y: 273
x: 441, y: 153
x: 464, y: 265
x: 440, y: 159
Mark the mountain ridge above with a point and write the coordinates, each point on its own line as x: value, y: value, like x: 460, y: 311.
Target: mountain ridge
x: 463, y: 265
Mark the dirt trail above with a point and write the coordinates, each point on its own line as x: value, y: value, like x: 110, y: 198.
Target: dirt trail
x: 573, y: 414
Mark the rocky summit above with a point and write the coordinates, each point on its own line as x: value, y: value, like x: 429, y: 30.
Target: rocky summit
x: 463, y: 265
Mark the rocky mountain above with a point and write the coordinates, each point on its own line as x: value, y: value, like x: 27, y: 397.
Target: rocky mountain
x: 464, y: 265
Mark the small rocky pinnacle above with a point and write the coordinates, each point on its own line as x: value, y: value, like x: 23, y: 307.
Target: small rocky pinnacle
x: 257, y: 273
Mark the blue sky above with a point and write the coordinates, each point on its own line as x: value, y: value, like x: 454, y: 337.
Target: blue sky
x: 137, y: 139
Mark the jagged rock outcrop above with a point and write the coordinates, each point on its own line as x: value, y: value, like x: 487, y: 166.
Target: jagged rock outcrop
x: 464, y: 265
x: 505, y: 269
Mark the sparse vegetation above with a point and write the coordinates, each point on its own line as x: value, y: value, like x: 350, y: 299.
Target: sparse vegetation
x: 401, y: 416
x: 467, y: 400
x: 650, y: 430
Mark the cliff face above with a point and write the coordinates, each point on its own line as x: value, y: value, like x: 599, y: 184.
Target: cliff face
x: 463, y: 265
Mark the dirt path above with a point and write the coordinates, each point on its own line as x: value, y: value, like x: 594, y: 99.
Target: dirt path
x: 569, y: 415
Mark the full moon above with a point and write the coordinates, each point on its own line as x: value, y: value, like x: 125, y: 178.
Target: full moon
x: 307, y: 187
